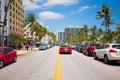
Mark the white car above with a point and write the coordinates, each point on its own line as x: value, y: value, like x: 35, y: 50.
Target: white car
x: 108, y: 52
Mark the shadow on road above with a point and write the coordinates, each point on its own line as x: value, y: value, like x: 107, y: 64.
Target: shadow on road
x: 112, y: 63
x: 8, y: 64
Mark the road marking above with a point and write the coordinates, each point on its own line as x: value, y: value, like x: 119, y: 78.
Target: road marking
x: 56, y: 69
x: 61, y: 71
x: 58, y: 73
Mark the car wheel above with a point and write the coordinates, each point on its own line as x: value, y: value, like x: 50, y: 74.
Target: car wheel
x: 1, y: 64
x: 15, y: 59
x: 95, y: 56
x: 106, y: 60
x: 70, y: 53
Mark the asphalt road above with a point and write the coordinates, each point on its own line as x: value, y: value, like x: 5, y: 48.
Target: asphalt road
x: 49, y: 65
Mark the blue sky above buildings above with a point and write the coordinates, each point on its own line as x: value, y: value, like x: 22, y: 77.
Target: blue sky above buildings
x: 58, y: 14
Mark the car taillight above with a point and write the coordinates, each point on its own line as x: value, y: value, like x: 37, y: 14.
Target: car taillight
x: 60, y: 49
x: 112, y: 51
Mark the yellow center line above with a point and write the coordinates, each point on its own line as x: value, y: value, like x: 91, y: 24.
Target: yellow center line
x: 61, y: 71
x: 56, y: 69
x: 58, y: 73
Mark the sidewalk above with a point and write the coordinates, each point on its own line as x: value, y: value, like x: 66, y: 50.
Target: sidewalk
x: 24, y: 51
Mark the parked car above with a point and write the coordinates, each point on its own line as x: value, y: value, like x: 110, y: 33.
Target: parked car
x: 89, y: 49
x: 74, y: 46
x: 79, y: 48
x: 65, y: 49
x: 48, y: 46
x: 43, y: 46
x: 108, y: 52
x: 7, y: 55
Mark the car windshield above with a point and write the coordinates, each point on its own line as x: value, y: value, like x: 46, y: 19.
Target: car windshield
x: 43, y: 45
x: 64, y: 45
x: 75, y: 44
x: 95, y: 45
x: 116, y: 46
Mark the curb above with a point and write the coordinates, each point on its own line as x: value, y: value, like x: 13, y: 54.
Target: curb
x: 23, y: 53
x: 26, y: 52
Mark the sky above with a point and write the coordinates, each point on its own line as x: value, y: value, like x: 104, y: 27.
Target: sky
x: 59, y: 14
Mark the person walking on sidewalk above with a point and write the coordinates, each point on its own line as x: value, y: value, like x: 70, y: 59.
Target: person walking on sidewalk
x: 27, y: 47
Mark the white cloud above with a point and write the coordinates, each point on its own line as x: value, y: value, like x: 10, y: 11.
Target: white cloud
x: 60, y: 2
x: 31, y: 5
x: 46, y: 15
x: 36, y: 4
x: 83, y: 8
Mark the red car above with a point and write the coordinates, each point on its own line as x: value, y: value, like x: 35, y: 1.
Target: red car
x: 7, y: 55
x: 90, y: 49
x: 65, y: 49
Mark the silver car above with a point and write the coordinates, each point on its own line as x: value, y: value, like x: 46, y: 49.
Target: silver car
x: 43, y: 46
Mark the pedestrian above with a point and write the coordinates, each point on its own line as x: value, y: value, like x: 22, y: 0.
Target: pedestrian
x: 27, y: 47
x: 31, y: 46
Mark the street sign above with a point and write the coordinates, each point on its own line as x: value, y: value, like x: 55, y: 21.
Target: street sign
x: 1, y: 24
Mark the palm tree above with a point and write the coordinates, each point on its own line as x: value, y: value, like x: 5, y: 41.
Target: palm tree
x: 69, y: 38
x: 31, y: 19
x: 106, y: 14
x: 117, y: 33
x: 42, y: 32
x: 99, y: 34
x: 52, y: 35
x: 81, y: 35
x: 93, y: 36
x: 86, y: 31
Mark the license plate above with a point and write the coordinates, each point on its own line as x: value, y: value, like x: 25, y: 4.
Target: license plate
x: 65, y: 49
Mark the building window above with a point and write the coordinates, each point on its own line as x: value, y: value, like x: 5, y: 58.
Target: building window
x: 21, y: 2
x: 10, y: 6
x: 13, y: 28
x: 16, y: 11
x: 16, y: 23
x: 16, y: 17
x: 13, y: 15
x: 13, y: 9
x: 13, y: 22
x: 10, y: 27
x: 10, y: 13
x: 13, y: 3
x: 10, y: 20
x: 16, y: 5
